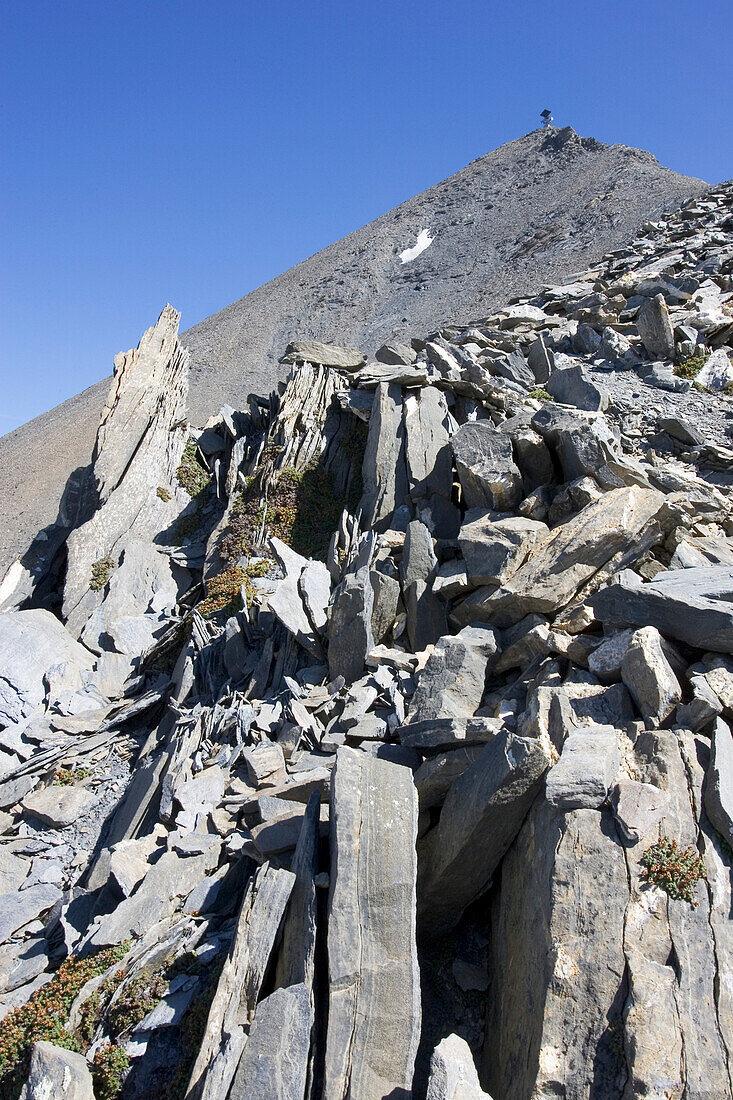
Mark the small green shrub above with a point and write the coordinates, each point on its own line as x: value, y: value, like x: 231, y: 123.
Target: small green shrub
x: 690, y: 368
x: 101, y: 572
x: 163, y: 493
x: 676, y: 870
x: 45, y: 1016
x: 135, y: 1001
x: 223, y: 590
x: 109, y: 1065
x: 190, y: 473
x: 65, y: 777
x: 539, y: 394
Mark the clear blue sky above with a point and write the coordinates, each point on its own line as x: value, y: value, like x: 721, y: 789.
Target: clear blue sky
x: 188, y: 151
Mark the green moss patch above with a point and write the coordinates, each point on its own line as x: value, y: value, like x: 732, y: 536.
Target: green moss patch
x: 690, y: 368
x: 101, y: 572
x: 65, y: 777
x: 162, y: 493
x: 109, y: 1065
x: 190, y: 473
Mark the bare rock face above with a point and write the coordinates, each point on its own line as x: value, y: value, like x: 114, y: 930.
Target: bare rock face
x: 139, y: 446
x: 468, y: 733
x: 374, y: 997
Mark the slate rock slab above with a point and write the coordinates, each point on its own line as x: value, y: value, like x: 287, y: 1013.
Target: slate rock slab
x: 692, y: 605
x: 374, y: 995
x: 482, y: 814
x: 487, y: 472
x: 718, y: 789
x: 59, y: 806
x: 57, y: 1074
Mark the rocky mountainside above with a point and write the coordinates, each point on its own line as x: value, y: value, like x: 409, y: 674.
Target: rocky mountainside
x: 380, y: 746
x: 536, y: 209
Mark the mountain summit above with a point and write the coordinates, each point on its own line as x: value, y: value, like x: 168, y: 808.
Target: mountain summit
x: 532, y: 211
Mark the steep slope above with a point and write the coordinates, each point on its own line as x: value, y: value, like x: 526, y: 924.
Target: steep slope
x: 533, y: 210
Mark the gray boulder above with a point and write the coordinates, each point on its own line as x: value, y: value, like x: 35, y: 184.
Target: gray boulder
x: 57, y: 1074
x: 494, y: 549
x: 717, y: 373
x: 453, y: 1075
x: 638, y: 808
x: 486, y: 469
x: 350, y: 636
x: 387, y: 592
x: 586, y: 770
x: 533, y: 459
x: 559, y: 567
x: 19, y: 908
x: 655, y: 328
x: 541, y: 361
x: 572, y: 386
x: 649, y: 677
x: 482, y: 814
x: 31, y: 642
x: 428, y: 452
x: 395, y: 354
x: 452, y: 683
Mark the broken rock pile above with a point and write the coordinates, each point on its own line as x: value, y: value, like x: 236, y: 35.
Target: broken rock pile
x: 374, y: 741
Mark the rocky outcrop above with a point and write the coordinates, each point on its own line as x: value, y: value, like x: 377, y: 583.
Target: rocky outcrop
x: 139, y: 447
x: 342, y: 765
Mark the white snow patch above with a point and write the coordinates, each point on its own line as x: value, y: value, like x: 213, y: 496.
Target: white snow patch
x: 424, y: 240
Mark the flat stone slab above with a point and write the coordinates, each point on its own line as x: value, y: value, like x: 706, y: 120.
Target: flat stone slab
x: 374, y: 997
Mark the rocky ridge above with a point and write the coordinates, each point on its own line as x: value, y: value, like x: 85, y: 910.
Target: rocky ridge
x: 535, y: 209
x: 384, y: 748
